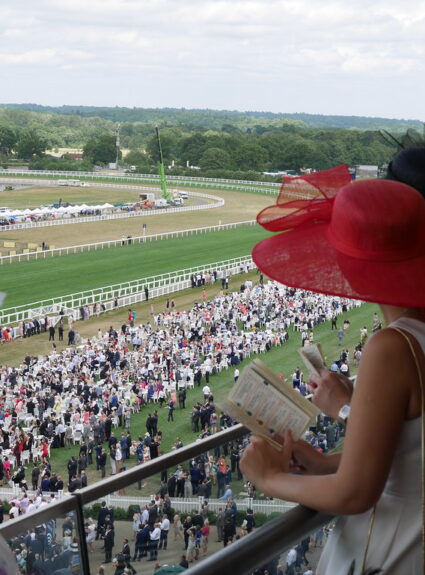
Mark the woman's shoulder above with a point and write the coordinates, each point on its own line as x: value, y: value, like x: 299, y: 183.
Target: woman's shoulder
x: 385, y: 342
x: 415, y: 327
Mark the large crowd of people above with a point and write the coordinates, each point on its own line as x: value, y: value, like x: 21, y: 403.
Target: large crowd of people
x: 86, y: 394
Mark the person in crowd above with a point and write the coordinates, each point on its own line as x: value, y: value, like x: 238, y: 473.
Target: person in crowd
x: 177, y: 527
x: 154, y: 535
x: 108, y: 542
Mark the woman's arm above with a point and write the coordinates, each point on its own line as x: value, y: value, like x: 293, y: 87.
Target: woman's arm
x: 378, y: 410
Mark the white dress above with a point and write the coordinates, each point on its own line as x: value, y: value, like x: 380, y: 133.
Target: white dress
x: 395, y: 545
x: 91, y: 533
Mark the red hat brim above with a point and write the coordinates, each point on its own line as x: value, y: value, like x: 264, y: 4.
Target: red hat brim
x: 304, y: 258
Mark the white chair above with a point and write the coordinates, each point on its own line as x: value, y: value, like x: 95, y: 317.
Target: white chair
x: 22, y: 416
x: 77, y: 436
x: 29, y: 419
x: 35, y: 455
x: 25, y: 456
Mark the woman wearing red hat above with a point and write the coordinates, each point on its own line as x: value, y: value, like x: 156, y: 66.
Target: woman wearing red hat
x: 365, y: 241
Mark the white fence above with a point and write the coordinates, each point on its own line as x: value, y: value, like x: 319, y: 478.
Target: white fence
x: 55, y: 182
x: 182, y: 181
x: 6, y: 494
x: 121, y: 295
x: 216, y: 202
x: 125, y: 240
x: 195, y: 503
x: 182, y: 505
x: 133, y: 177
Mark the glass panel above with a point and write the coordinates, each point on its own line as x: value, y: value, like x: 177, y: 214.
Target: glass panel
x: 52, y: 547
x: 301, y: 558
x: 183, y: 514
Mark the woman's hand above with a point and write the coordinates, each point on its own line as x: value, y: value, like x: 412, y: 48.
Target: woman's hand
x: 261, y: 462
x: 309, y: 461
x: 330, y: 391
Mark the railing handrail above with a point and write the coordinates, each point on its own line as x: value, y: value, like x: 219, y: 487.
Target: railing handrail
x: 261, y: 546
x: 239, y: 558
x: 116, y: 482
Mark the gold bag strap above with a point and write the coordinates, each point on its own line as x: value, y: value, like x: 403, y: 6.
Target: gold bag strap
x: 372, y: 517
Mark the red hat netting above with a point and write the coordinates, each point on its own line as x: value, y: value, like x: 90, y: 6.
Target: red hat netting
x: 365, y: 242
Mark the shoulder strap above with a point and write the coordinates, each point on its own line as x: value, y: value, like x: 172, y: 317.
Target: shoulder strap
x: 418, y: 368
x: 372, y: 516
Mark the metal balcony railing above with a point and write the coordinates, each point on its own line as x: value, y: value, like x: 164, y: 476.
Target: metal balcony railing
x: 239, y: 558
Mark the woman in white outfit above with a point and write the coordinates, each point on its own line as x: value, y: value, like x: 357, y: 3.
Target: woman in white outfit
x: 365, y: 241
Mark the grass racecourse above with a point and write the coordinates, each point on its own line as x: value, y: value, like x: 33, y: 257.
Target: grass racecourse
x: 31, y: 281
x: 36, y: 280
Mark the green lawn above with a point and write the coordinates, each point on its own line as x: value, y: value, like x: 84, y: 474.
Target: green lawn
x: 36, y: 196
x: 36, y: 280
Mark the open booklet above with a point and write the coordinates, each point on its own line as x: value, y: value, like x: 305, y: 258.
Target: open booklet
x: 313, y: 358
x: 267, y: 405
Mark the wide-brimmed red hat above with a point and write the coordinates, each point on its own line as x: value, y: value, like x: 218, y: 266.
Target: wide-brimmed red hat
x: 365, y: 241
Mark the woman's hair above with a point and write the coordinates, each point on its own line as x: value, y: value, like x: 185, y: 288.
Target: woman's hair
x: 408, y: 166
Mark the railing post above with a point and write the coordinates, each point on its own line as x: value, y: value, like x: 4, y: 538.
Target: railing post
x: 85, y: 564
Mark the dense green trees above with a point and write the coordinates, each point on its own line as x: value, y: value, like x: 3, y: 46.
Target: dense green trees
x: 192, y: 148
x: 170, y: 138
x: 59, y: 131
x: 251, y: 156
x: 101, y: 150
x: 224, y: 120
x: 215, y: 159
x: 136, y: 158
x: 217, y: 142
x: 8, y: 139
x: 30, y: 144
x: 61, y: 164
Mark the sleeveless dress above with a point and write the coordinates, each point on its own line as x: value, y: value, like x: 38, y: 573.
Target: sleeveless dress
x: 395, y: 545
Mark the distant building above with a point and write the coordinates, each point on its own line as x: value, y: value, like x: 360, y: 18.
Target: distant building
x: 366, y: 172
x: 281, y: 173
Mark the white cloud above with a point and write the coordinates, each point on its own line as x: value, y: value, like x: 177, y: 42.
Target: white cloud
x: 29, y: 57
x: 217, y: 53
x: 14, y: 33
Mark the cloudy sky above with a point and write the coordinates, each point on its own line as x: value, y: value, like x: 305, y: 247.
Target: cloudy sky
x: 350, y: 57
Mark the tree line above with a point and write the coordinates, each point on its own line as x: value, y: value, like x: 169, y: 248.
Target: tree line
x: 246, y: 150
x: 215, y: 119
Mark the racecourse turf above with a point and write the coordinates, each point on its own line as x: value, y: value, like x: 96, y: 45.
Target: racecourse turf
x: 36, y: 280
